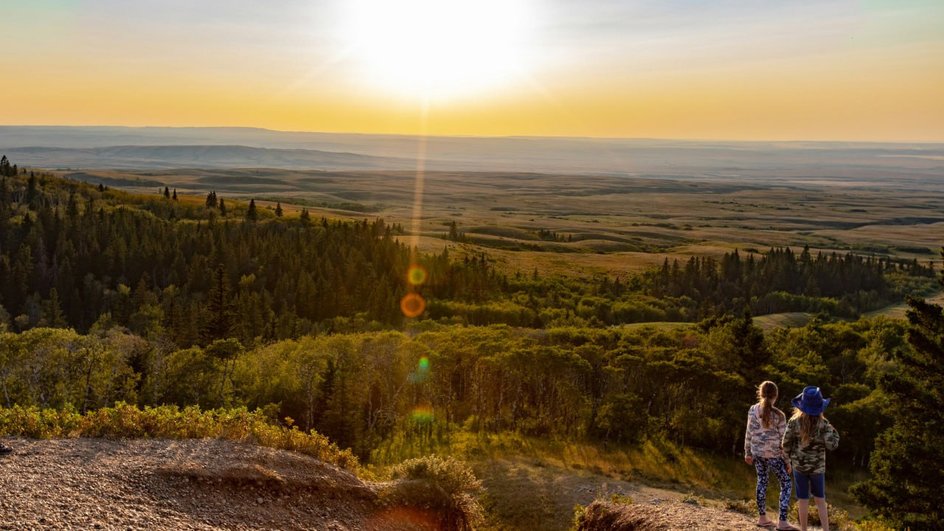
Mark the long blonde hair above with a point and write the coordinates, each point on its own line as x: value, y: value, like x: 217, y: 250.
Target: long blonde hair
x: 766, y: 395
x: 808, y: 424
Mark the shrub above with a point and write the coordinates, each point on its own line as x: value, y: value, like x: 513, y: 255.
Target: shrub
x: 443, y: 485
x: 838, y: 518
x: 741, y: 506
x: 171, y: 422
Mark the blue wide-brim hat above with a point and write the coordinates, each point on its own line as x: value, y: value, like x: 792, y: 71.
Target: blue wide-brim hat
x: 811, y: 401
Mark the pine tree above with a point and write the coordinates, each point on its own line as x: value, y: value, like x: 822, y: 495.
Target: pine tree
x: 166, y: 193
x: 278, y: 210
x: 32, y: 191
x: 251, y: 214
x: 906, y: 465
x: 219, y: 307
x: 222, y: 207
x: 305, y: 217
x: 211, y: 200
x: 175, y: 194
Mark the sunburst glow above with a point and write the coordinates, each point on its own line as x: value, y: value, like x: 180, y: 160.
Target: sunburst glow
x: 439, y: 48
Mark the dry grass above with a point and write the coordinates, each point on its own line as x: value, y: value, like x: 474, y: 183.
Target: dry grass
x: 605, y: 515
x: 898, y: 311
x: 782, y: 320
x: 533, y: 482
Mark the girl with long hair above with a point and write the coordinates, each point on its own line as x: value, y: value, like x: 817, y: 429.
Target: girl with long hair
x: 805, y: 442
x: 765, y: 429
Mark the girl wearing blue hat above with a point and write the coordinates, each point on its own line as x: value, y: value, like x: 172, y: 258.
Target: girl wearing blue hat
x: 765, y: 428
x: 805, y: 442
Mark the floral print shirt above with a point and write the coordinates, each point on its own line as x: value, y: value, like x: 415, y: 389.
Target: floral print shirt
x: 764, y: 442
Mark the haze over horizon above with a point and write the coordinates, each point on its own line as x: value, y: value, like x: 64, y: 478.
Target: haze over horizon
x: 837, y: 70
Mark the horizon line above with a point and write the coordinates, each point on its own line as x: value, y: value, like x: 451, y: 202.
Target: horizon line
x: 474, y: 136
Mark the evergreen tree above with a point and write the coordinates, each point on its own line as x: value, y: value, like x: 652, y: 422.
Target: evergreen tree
x: 906, y: 466
x: 305, y: 217
x: 219, y: 307
x: 222, y: 207
x: 278, y: 210
x: 32, y: 191
x: 211, y: 200
x: 175, y: 194
x: 166, y: 193
x: 251, y: 214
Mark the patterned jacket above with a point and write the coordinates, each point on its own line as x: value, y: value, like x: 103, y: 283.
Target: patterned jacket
x: 810, y: 458
x: 760, y: 441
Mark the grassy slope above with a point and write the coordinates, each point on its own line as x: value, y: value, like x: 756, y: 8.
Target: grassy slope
x: 897, y: 311
x: 534, y: 483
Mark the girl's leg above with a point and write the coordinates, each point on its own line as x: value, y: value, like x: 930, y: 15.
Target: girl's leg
x: 803, y: 508
x: 818, y: 489
x: 786, y: 487
x: 760, y: 466
x: 802, y: 482
x: 823, y: 516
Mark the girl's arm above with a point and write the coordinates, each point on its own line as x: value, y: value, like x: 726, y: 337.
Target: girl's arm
x: 789, y: 444
x: 782, y: 429
x: 748, y: 436
x: 830, y: 436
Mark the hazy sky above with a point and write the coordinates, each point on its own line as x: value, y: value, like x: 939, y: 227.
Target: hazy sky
x: 758, y: 69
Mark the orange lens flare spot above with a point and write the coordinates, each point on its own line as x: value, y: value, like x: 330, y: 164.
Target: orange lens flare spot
x: 422, y: 414
x: 416, y: 275
x: 412, y: 305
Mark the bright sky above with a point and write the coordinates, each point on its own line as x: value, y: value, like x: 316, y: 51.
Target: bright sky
x: 752, y: 69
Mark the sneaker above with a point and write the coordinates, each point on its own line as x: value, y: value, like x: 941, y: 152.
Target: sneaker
x: 4, y: 449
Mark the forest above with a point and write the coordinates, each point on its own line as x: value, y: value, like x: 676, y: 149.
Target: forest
x: 194, y: 272
x: 109, y: 297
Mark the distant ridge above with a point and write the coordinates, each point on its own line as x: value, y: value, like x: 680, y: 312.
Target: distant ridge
x: 233, y: 147
x: 199, y: 156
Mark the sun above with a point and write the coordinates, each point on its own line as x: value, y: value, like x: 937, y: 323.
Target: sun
x: 438, y: 49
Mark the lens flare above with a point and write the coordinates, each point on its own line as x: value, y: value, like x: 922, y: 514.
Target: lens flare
x: 405, y: 518
x: 422, y: 414
x: 416, y: 275
x: 412, y: 305
x: 422, y: 371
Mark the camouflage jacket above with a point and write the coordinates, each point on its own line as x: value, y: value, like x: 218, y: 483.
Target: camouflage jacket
x: 760, y: 441
x: 811, y: 457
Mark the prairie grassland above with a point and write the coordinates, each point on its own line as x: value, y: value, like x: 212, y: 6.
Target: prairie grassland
x: 898, y: 311
x: 573, y: 224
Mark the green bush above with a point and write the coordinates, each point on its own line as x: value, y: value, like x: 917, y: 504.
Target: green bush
x: 171, y: 422
x: 443, y: 485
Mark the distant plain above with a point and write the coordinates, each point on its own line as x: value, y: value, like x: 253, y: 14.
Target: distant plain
x: 567, y: 206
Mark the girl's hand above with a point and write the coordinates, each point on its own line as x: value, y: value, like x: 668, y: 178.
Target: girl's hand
x: 789, y: 468
x: 748, y: 459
